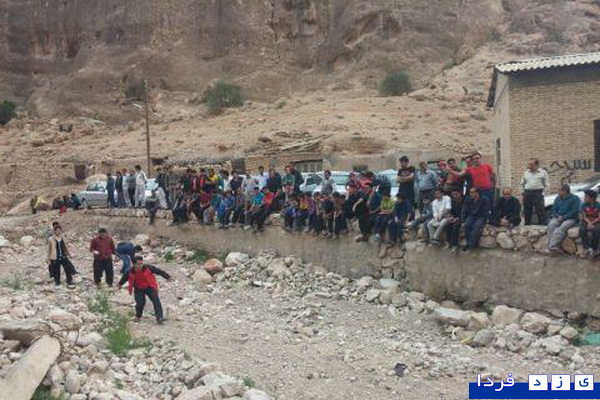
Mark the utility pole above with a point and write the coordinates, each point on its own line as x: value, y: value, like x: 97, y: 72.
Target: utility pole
x: 149, y: 161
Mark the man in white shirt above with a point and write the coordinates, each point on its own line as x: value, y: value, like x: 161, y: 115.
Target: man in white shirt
x: 262, y: 177
x: 534, y: 184
x: 441, y: 206
x: 140, y: 187
x: 248, y: 185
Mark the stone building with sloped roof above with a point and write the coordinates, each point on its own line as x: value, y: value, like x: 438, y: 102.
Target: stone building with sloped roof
x: 547, y: 108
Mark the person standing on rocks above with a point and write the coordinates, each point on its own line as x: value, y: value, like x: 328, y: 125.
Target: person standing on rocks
x: 140, y: 187
x: 534, y: 183
x: 103, y: 247
x: 58, y: 256
x: 142, y: 283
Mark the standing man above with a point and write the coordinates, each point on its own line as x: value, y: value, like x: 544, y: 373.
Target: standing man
x: 140, y: 187
x: 162, y: 182
x: 483, y: 178
x: 119, y: 188
x: 406, y: 182
x: 565, y: 215
x: 124, y: 188
x: 103, y: 247
x: 261, y: 178
x: 58, y: 255
x: 142, y: 282
x: 534, y: 184
x: 110, y: 190
x: 328, y: 186
x: 131, y: 188
x: 172, y: 185
x: 427, y: 181
x: 298, y: 178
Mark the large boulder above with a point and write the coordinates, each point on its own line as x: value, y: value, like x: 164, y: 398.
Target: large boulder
x: 202, y: 279
x: 255, y: 394
x: 504, y: 315
x: 535, y: 323
x: 487, y: 242
x: 25, y: 331
x: 213, y: 266
x: 73, y: 382
x: 64, y: 319
x: 235, y: 259
x: 449, y: 316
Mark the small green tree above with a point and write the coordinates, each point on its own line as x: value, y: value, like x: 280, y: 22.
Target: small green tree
x: 223, y: 95
x: 395, y: 84
x: 7, y: 111
x: 135, y: 90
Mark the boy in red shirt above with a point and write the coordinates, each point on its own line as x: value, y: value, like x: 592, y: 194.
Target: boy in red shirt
x: 142, y: 282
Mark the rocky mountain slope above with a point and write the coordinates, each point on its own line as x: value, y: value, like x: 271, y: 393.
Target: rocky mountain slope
x: 75, y: 56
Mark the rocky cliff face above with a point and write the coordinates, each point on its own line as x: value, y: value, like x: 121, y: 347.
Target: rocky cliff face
x: 76, y: 55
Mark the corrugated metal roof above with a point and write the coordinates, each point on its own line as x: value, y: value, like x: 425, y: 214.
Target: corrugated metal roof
x: 514, y: 67
x: 549, y: 62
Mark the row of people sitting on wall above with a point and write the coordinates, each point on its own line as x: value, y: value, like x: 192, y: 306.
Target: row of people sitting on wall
x: 451, y: 202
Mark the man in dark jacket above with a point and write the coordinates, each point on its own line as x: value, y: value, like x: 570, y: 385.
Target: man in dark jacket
x: 455, y: 220
x: 126, y: 251
x: 298, y: 178
x: 475, y: 213
x: 142, y: 282
x: 119, y: 189
x: 508, y: 210
x: 103, y: 247
x: 110, y: 190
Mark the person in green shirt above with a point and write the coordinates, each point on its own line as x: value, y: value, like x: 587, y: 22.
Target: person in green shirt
x: 384, y: 216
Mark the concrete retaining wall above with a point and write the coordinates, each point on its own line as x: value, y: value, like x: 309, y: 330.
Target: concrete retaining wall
x: 527, y: 280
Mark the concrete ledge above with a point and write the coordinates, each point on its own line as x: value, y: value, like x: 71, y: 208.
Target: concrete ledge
x: 522, y: 279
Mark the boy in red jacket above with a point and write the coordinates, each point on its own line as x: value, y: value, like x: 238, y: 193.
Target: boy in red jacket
x: 142, y: 282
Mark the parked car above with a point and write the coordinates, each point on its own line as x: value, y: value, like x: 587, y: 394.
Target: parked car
x: 95, y: 194
x: 577, y: 189
x: 311, y: 181
x: 340, y: 178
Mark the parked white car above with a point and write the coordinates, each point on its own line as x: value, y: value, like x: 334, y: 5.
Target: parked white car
x: 578, y: 189
x: 95, y: 195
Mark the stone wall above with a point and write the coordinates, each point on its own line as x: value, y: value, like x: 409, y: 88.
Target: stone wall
x: 511, y: 268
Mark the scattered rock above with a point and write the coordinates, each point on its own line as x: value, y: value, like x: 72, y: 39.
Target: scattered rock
x: 235, y: 259
x: 505, y: 241
x: 483, y: 338
x: 27, y: 241
x: 255, y: 394
x: 504, y: 315
x: 64, y: 319
x: 141, y: 239
x: 202, y: 279
x: 569, y: 333
x: 479, y: 321
x: 449, y: 316
x: 25, y: 332
x: 372, y: 294
x: 213, y: 266
x: 535, y: 323
x: 73, y: 382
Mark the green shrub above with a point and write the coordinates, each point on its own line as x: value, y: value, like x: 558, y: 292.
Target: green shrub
x: 15, y: 283
x: 200, y: 256
x: 135, y: 90
x: 249, y: 383
x: 43, y: 393
x: 223, y: 95
x: 7, y: 111
x: 395, y: 84
x: 100, y: 304
x: 169, y: 257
